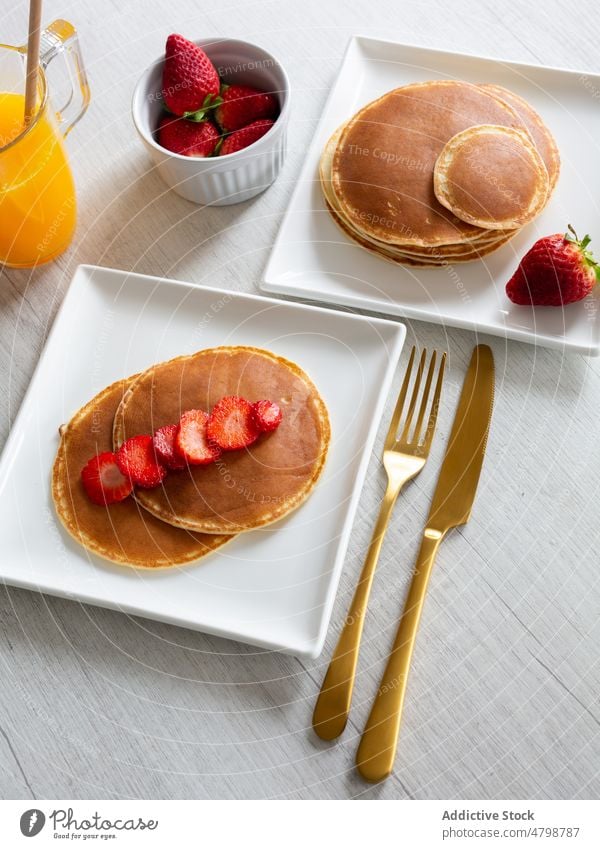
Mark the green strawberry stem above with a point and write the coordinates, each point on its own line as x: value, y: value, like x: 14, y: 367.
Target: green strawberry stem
x: 211, y: 101
x: 587, y: 256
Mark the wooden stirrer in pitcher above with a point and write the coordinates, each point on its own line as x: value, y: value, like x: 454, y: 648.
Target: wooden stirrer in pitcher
x: 33, y: 58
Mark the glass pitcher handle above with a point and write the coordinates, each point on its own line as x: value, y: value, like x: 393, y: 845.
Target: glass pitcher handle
x: 60, y: 39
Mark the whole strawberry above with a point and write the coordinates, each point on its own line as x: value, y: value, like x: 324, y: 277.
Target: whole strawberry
x: 240, y: 139
x: 190, y: 80
x: 188, y: 138
x: 557, y: 270
x: 242, y: 105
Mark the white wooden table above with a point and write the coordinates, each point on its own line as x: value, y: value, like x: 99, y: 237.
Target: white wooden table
x: 503, y: 699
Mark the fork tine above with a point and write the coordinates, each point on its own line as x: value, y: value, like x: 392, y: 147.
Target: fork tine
x: 424, y: 399
x: 415, y: 395
x: 434, y: 406
x: 393, y: 429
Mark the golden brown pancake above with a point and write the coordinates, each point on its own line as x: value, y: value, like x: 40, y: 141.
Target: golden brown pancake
x: 539, y: 132
x: 491, y: 176
x: 433, y: 261
x: 244, y: 489
x: 383, y: 163
x: 384, y: 251
x: 379, y: 251
x: 465, y: 249
x: 122, y: 532
x: 418, y: 257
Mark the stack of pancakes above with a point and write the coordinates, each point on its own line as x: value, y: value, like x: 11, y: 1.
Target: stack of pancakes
x: 438, y: 172
x: 197, y: 510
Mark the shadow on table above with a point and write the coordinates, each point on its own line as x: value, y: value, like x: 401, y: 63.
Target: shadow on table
x: 140, y: 225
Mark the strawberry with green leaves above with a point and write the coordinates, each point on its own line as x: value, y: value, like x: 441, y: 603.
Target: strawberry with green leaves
x: 556, y: 271
x: 190, y: 81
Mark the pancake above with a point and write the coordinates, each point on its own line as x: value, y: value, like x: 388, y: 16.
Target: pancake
x: 382, y: 250
x: 243, y: 489
x: 418, y: 257
x: 433, y: 261
x: 440, y: 251
x: 539, y: 132
x: 383, y: 163
x: 491, y: 176
x: 123, y: 532
x: 379, y: 251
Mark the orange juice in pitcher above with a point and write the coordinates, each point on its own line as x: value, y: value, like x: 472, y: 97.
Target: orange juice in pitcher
x: 37, y: 192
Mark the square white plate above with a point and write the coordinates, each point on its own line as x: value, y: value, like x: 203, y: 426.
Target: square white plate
x: 313, y: 259
x: 272, y: 587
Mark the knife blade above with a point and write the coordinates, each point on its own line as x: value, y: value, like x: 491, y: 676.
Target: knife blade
x: 459, y: 475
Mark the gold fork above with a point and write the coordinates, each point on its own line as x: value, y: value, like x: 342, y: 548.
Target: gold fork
x: 404, y: 456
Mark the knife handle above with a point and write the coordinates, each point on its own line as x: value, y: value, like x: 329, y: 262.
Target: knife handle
x: 377, y: 749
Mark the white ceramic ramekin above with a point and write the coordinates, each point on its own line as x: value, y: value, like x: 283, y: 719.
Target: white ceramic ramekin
x: 227, y: 179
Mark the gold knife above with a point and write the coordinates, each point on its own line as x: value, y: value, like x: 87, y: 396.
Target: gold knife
x: 451, y: 506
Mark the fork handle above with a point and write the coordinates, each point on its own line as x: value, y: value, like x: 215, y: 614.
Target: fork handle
x: 334, y: 700
x: 377, y: 749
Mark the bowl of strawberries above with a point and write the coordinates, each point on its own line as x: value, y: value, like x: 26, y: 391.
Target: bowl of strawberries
x: 213, y: 116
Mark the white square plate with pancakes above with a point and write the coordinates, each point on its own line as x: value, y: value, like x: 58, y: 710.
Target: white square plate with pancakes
x: 313, y: 259
x: 272, y: 587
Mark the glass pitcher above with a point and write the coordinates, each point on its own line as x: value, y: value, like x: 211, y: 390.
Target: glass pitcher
x: 37, y: 193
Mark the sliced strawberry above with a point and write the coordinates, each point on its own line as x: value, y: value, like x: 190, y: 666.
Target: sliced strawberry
x: 166, y: 448
x: 231, y: 423
x: 192, y: 440
x: 103, y: 481
x: 267, y: 415
x: 137, y: 460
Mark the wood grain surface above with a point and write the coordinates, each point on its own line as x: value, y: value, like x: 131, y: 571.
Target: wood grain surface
x: 503, y: 699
